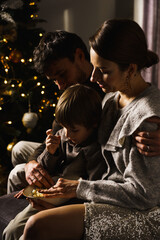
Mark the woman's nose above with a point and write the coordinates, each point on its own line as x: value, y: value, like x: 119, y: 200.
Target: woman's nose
x: 95, y: 75
x: 66, y: 133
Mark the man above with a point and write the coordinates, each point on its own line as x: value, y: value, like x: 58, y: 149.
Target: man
x: 63, y: 58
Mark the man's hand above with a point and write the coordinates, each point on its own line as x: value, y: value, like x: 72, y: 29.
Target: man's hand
x: 63, y: 188
x: 148, y: 143
x: 37, y: 175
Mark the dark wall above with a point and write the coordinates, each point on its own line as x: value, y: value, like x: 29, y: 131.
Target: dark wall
x: 82, y: 17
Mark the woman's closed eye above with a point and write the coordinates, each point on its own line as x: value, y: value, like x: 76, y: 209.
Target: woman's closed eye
x: 105, y: 72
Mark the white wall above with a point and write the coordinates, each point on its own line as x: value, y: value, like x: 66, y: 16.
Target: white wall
x: 138, y: 11
x: 82, y: 16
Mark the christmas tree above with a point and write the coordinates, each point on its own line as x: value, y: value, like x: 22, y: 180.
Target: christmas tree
x: 27, y: 100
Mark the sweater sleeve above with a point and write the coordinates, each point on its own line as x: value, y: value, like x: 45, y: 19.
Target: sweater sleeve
x: 49, y: 161
x: 37, y: 152
x: 139, y: 185
x: 55, y: 128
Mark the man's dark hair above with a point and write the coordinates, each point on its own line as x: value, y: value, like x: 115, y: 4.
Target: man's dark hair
x: 57, y: 45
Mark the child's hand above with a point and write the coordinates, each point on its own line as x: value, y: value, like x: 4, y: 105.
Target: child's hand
x: 52, y: 142
x: 19, y: 194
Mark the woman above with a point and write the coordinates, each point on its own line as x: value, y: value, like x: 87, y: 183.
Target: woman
x: 123, y: 205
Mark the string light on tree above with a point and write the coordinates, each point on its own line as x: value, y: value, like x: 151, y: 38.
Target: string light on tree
x: 10, y: 146
x: 32, y: 3
x: 18, y: 38
x: 23, y: 95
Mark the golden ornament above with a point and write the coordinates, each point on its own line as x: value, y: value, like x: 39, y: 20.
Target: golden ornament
x: 15, y: 56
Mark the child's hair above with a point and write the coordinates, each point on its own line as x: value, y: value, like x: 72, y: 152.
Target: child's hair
x: 79, y: 104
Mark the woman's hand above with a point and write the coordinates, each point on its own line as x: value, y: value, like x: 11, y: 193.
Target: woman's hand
x: 64, y: 188
x: 148, y: 143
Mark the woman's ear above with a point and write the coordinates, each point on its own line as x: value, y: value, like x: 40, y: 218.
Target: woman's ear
x: 132, y: 70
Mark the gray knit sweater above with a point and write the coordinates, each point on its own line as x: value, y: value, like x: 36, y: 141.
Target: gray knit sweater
x: 132, y: 180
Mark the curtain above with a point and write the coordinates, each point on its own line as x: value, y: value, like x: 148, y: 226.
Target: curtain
x: 151, y: 27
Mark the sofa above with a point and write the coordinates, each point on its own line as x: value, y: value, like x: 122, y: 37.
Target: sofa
x: 9, y: 208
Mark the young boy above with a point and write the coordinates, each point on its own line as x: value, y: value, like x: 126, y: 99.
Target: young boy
x: 74, y: 150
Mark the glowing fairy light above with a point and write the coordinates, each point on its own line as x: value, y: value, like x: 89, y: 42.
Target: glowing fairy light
x: 35, y: 77
x: 9, y: 122
x: 23, y: 60
x: 0, y: 108
x: 32, y: 3
x: 23, y: 95
x: 38, y: 83
x: 34, y: 16
x: 40, y: 34
x: 10, y: 146
x: 30, y: 60
x: 42, y: 92
x: 5, y: 81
